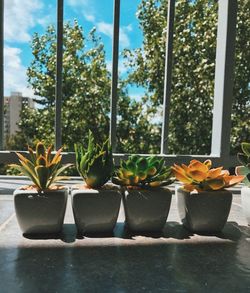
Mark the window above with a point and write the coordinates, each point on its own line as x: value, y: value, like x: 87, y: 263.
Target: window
x: 111, y: 119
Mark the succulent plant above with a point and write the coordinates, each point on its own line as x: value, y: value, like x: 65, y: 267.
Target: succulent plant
x: 244, y: 159
x: 94, y: 164
x: 143, y: 172
x: 41, y: 166
x: 199, y: 176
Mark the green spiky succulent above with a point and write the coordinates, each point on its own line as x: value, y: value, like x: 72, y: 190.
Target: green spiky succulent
x: 41, y: 166
x: 143, y: 172
x: 244, y: 159
x: 94, y: 164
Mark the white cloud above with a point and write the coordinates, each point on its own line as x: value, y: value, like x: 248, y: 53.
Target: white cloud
x: 128, y: 28
x: 89, y: 17
x: 48, y: 16
x: 136, y: 97
x: 15, y: 72
x: 76, y: 3
x: 121, y: 67
x: 19, y: 18
x: 124, y: 39
x: 107, y: 29
x: 103, y: 27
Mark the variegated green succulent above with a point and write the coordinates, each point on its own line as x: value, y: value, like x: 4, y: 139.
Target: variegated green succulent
x: 143, y: 172
x: 41, y: 166
x: 244, y: 159
x: 94, y: 164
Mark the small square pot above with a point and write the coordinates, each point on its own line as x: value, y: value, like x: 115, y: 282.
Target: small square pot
x: 146, y: 210
x: 245, y: 202
x: 95, y: 211
x: 205, y: 211
x: 40, y: 212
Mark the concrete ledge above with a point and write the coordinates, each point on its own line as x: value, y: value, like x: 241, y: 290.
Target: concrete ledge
x: 174, y: 261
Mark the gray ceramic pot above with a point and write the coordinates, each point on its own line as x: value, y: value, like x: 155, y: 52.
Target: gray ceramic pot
x: 40, y: 212
x: 95, y: 211
x: 245, y: 202
x: 205, y: 211
x: 146, y: 209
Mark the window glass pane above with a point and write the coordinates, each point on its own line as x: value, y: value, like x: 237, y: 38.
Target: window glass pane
x: 193, y: 77
x: 141, y: 70
x: 241, y: 104
x: 86, y: 70
x: 29, y: 83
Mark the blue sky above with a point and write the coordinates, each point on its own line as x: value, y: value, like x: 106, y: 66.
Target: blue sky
x: 24, y: 17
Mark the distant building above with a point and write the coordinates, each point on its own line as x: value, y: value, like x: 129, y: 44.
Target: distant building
x: 13, y: 106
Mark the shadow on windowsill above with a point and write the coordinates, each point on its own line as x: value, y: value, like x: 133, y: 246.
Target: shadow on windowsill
x: 232, y: 231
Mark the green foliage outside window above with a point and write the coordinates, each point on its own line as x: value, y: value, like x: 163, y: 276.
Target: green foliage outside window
x: 87, y: 83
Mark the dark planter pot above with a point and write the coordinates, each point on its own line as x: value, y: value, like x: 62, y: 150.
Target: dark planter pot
x: 204, y: 211
x: 245, y: 202
x: 146, y: 210
x: 40, y: 213
x: 95, y: 211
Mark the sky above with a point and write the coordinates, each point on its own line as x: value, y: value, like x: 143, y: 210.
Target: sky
x: 24, y: 17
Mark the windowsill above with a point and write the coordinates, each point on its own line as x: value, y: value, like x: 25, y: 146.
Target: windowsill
x: 175, y: 260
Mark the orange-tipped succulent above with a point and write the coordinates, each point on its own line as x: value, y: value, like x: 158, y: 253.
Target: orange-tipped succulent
x: 199, y: 176
x: 41, y: 167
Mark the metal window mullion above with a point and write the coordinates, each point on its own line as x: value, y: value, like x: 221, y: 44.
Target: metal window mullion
x: 168, y: 76
x: 114, y: 81
x: 59, y: 76
x: 1, y: 74
x: 224, y: 77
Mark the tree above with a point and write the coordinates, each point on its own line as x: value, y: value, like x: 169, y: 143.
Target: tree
x: 241, y: 104
x: 86, y: 79
x: 86, y: 94
x: 193, y: 70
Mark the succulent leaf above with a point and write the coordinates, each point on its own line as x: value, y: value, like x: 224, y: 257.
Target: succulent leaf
x: 151, y: 171
x: 246, y: 148
x: 32, y: 155
x: 241, y: 170
x: 57, y: 158
x: 142, y: 164
x: 244, y: 159
x: 48, y: 154
x: 41, y: 161
x: 54, y: 177
x: 134, y: 158
x: 131, y: 166
x: 199, y: 176
x: 42, y: 174
x: 39, y: 167
x: 143, y: 172
x: 40, y: 149
x: 94, y: 164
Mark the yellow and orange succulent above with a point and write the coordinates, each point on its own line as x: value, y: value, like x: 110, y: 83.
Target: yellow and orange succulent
x: 199, y: 176
x: 41, y: 166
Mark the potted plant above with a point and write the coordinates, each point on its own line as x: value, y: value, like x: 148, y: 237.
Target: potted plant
x: 203, y: 202
x: 146, y: 201
x: 95, y: 204
x: 244, y: 159
x: 40, y: 208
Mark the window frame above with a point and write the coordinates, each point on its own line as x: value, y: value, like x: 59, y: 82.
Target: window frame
x: 223, y: 91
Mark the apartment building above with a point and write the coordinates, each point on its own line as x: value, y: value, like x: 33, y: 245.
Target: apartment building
x: 13, y: 106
